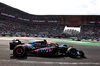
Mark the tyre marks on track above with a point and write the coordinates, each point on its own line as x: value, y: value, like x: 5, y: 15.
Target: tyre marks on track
x: 45, y: 62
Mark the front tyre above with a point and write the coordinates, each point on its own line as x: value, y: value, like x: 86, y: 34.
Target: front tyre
x: 82, y: 54
x: 72, y: 52
x: 19, y: 51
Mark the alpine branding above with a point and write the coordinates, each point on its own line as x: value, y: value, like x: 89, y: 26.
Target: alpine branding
x: 44, y: 50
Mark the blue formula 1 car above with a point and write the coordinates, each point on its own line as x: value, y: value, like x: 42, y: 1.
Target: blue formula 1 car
x: 43, y: 48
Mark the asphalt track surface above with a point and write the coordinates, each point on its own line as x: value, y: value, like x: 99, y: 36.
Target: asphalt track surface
x: 92, y: 54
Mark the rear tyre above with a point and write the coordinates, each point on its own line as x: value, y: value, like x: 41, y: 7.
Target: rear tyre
x: 72, y: 52
x: 19, y: 51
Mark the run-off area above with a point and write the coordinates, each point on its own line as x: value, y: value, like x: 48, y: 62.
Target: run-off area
x: 92, y: 54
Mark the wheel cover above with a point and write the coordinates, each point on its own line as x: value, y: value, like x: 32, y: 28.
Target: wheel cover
x: 19, y: 51
x: 73, y: 52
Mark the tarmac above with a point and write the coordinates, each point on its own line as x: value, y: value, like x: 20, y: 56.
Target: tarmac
x: 92, y: 55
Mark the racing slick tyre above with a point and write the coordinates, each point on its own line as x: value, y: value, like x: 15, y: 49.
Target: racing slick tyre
x: 81, y: 53
x: 72, y: 52
x: 19, y: 51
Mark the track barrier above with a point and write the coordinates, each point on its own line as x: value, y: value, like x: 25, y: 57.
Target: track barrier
x: 94, y: 40
x: 9, y: 35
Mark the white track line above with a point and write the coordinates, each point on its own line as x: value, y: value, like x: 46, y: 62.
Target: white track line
x: 45, y: 62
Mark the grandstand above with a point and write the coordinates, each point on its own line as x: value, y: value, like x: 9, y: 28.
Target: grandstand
x: 89, y: 31
x: 14, y: 21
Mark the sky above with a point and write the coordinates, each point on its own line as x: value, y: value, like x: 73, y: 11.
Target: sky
x: 56, y: 7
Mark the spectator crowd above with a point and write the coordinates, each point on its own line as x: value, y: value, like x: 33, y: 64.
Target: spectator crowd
x: 90, y: 31
x: 14, y: 26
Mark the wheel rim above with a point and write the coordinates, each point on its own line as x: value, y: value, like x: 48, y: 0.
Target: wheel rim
x: 73, y: 52
x: 19, y: 51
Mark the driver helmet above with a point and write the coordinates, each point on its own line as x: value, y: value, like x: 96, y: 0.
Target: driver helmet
x: 64, y: 45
